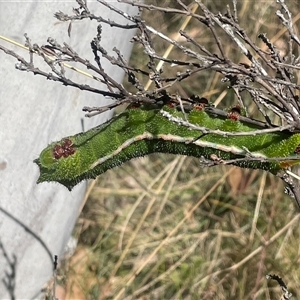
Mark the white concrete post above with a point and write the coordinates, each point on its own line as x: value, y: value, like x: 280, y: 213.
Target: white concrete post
x: 36, y: 220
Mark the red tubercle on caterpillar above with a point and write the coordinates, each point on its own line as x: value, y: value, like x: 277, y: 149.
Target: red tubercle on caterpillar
x: 64, y: 150
x: 67, y: 145
x: 171, y: 104
x: 234, y: 113
x: 198, y: 106
x: 199, y: 103
x: 297, y: 150
x: 58, y: 151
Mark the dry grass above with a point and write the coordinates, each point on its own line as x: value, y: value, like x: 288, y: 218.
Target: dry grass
x: 162, y: 228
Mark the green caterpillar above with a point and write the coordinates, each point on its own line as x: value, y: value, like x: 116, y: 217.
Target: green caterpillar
x: 140, y: 131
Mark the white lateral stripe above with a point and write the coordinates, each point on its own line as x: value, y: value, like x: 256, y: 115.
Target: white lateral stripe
x: 176, y: 139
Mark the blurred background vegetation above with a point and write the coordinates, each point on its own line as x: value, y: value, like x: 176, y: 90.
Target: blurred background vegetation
x: 161, y: 227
